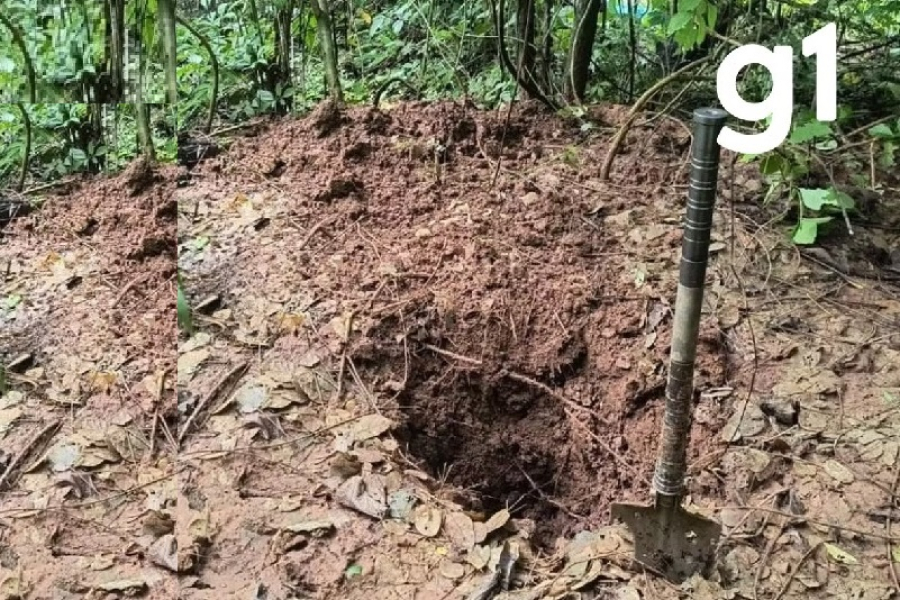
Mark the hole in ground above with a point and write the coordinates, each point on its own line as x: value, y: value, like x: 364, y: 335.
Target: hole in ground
x: 504, y: 444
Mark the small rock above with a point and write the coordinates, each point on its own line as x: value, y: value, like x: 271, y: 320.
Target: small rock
x: 423, y: 232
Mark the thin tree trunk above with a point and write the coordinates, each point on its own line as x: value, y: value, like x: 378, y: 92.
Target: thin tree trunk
x: 322, y: 11
x: 582, y: 48
x: 525, y: 17
x: 115, y: 47
x: 166, y: 9
x: 145, y: 135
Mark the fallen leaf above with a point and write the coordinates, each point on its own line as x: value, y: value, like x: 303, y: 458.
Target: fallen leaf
x: 189, y: 363
x: 428, y: 521
x: 452, y: 570
x: 370, y: 426
x: 839, y: 472
x: 316, y: 529
x: 460, y: 530
x: 12, y: 588
x: 498, y: 519
x: 353, y: 570
x: 479, y: 557
x: 342, y: 324
x: 250, y: 397
x: 744, y: 423
x: 125, y: 586
x: 364, y: 495
x: 164, y: 553
x: 840, y: 556
x: 63, y: 457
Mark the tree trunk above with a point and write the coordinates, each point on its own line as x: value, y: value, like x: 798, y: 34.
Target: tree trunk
x: 582, y: 47
x: 166, y: 9
x: 283, y: 53
x: 525, y: 16
x: 322, y: 11
x: 114, y: 11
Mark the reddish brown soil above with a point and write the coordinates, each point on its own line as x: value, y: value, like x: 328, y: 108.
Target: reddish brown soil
x: 505, y: 322
x: 94, y: 269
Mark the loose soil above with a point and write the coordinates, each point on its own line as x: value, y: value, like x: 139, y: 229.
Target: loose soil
x: 413, y: 320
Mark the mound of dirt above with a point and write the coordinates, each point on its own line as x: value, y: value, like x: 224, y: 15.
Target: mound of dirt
x: 95, y: 268
x: 521, y: 329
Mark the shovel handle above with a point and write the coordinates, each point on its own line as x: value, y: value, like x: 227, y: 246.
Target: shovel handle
x: 668, y: 480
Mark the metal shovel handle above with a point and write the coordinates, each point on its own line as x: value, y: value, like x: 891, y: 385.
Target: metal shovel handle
x: 668, y: 480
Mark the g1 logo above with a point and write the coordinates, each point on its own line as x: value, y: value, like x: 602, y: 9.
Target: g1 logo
x: 779, y: 104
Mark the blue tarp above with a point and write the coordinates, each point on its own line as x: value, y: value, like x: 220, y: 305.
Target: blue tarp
x: 641, y: 8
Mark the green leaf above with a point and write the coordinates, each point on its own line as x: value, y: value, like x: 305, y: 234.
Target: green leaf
x: 808, y: 230
x: 814, y: 199
x: 887, y: 159
x: 841, y: 200
x: 679, y: 21
x: 352, y: 571
x: 840, y: 556
x: 881, y: 131
x: 772, y: 164
x: 712, y: 16
x: 808, y: 131
x: 688, y: 5
x: 183, y: 310
x: 895, y: 554
x: 12, y: 301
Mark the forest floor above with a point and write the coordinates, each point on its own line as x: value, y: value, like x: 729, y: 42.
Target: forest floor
x: 430, y: 351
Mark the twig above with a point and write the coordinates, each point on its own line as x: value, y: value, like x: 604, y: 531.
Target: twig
x: 547, y: 498
x: 632, y: 115
x: 890, y: 523
x: 796, y: 570
x: 765, y: 557
x: 153, y: 434
x: 7, y: 479
x: 453, y: 355
x: 358, y: 380
x: 520, y: 378
x: 312, y: 232
x: 89, y: 503
x: 233, y: 374
x: 826, y: 524
x: 272, y: 445
x: 127, y: 288
x: 740, y: 283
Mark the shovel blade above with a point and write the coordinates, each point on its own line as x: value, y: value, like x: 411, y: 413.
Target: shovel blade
x: 670, y: 540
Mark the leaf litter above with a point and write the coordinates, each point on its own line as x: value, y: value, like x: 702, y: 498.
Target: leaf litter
x: 403, y: 352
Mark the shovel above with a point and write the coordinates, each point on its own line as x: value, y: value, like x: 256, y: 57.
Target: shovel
x: 667, y: 538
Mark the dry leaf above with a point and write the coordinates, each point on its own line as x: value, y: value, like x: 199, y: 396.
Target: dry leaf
x: 479, y: 557
x: 839, y: 472
x: 342, y: 324
x: 498, y: 519
x: 452, y: 570
x: 125, y: 586
x: 428, y: 521
x: 744, y: 423
x: 370, y: 426
x: 364, y: 495
x: 314, y: 529
x: 460, y: 530
x: 164, y: 553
